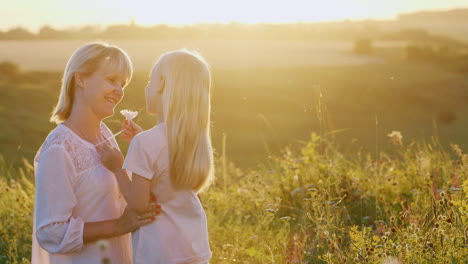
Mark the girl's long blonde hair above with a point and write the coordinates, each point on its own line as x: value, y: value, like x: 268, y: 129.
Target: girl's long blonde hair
x: 186, y: 111
x: 86, y: 60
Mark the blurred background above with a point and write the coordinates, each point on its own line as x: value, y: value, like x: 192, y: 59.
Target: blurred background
x: 352, y: 71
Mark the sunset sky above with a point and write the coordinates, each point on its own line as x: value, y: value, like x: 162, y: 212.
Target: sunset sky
x: 60, y: 14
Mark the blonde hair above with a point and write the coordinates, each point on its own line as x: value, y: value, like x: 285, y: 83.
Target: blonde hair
x: 86, y: 60
x: 186, y: 111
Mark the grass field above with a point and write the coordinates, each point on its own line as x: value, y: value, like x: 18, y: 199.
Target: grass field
x: 309, y: 174
x: 310, y: 206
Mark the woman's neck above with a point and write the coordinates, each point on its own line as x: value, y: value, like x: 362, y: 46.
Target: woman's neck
x: 84, y: 122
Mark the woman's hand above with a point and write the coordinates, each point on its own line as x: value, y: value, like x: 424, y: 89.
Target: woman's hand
x: 130, y: 130
x: 130, y: 220
x: 111, y: 157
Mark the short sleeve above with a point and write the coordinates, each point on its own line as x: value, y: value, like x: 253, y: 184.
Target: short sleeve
x: 56, y: 230
x: 138, y: 159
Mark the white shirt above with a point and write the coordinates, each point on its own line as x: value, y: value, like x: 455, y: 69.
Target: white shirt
x: 73, y: 187
x: 179, y: 234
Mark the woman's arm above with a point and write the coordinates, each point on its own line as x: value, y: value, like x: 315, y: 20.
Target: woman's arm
x: 57, y: 230
x: 128, y: 222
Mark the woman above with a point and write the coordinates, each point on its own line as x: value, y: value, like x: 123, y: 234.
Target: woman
x: 78, y: 201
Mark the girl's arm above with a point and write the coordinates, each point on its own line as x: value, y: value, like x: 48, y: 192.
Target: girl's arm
x: 139, y: 193
x: 124, y: 182
x: 113, y: 160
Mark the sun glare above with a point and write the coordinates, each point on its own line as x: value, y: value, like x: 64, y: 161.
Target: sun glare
x: 183, y: 12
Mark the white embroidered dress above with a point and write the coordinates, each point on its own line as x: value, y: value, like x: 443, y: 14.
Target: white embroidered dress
x: 73, y: 187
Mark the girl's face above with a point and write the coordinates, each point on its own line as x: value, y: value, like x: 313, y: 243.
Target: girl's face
x: 154, y: 91
x: 103, y: 90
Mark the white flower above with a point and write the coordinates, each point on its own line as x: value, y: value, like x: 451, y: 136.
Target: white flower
x: 128, y: 114
x: 103, y: 244
x: 396, y: 137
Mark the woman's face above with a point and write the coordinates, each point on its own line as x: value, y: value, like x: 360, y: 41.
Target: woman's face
x: 154, y: 91
x: 103, y: 90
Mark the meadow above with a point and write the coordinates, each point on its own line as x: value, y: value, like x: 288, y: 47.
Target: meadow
x: 312, y: 205
x: 306, y: 171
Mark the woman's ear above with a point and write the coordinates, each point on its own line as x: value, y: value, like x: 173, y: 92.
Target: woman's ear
x: 79, y: 79
x: 163, y: 84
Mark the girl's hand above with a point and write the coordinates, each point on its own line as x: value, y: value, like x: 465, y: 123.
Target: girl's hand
x: 130, y: 130
x: 111, y: 158
x: 130, y: 220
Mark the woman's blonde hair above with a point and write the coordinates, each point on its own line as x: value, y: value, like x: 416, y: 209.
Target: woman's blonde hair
x: 186, y: 110
x: 87, y: 59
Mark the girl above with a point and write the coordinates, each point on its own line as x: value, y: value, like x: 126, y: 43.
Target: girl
x: 173, y: 160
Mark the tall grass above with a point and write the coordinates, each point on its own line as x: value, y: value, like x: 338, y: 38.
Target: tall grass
x: 16, y: 212
x: 313, y: 205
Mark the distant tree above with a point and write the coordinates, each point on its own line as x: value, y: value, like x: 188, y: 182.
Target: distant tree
x: 87, y: 32
x: 447, y: 117
x: 47, y: 32
x: 19, y: 33
x: 363, y: 46
x: 9, y: 72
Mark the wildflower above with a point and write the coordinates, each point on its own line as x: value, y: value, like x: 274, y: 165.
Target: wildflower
x: 390, y: 260
x: 396, y: 137
x: 458, y: 150
x: 392, y: 219
x: 128, y: 114
x: 103, y: 244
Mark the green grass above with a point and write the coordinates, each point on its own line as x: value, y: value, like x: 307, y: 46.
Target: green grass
x: 311, y: 205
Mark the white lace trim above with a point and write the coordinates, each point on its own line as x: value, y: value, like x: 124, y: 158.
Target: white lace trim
x: 82, y: 153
